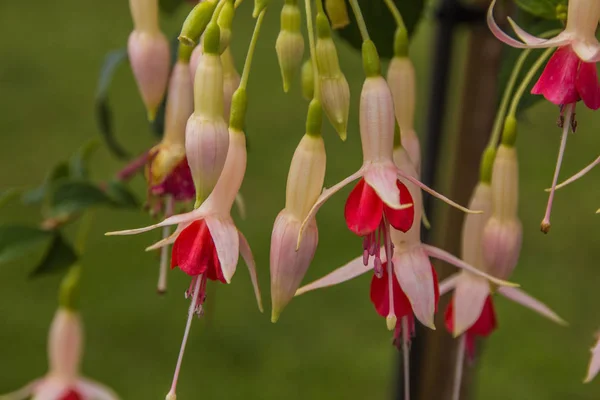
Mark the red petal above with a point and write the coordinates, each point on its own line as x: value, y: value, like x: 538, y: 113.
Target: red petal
x: 486, y: 323
x: 364, y: 209
x: 587, y: 85
x: 193, y: 250
x: 214, y: 271
x: 557, y: 82
x: 381, y: 300
x: 71, y: 395
x: 401, y: 219
x: 436, y: 287
x: 449, y: 316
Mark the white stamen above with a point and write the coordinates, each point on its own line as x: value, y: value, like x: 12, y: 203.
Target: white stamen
x: 578, y: 175
x: 458, y: 369
x: 406, y: 357
x: 188, y: 325
x: 545, y: 226
x: 391, y: 318
x: 164, y: 251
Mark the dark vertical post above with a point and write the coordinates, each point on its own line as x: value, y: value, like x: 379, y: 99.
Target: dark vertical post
x: 433, y: 352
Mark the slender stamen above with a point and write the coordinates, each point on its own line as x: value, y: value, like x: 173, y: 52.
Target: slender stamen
x: 545, y: 226
x: 391, y: 317
x: 164, y: 251
x: 191, y: 312
x: 406, y: 357
x: 458, y: 369
x: 579, y: 174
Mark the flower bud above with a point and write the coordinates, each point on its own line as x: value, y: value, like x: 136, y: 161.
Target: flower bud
x: 180, y: 104
x: 231, y: 81
x: 306, y: 176
x: 150, y: 60
x: 308, y: 80
x: 502, y: 235
x: 290, y: 44
x: 335, y: 91
x: 206, y: 135
x: 401, y: 78
x: 474, y: 224
x: 195, y: 60
x: 225, y: 21
x: 337, y: 12
x: 376, y: 120
x: 196, y: 22
x: 65, y: 343
x: 289, y: 266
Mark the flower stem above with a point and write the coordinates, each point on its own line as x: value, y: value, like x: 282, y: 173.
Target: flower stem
x: 406, y: 357
x: 458, y: 368
x: 313, y: 48
x: 360, y: 20
x: 395, y: 13
x: 251, y: 49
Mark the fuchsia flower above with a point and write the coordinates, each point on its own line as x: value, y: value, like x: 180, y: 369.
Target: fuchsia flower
x: 207, y: 243
x: 63, y: 382
x: 594, y: 366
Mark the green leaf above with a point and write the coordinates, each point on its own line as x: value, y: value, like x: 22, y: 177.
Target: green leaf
x: 170, y: 6
x: 59, y: 256
x: 103, y: 111
x: 121, y: 195
x: 71, y: 197
x: 381, y: 24
x: 37, y: 195
x: 546, y: 9
x: 18, y: 240
x: 79, y: 167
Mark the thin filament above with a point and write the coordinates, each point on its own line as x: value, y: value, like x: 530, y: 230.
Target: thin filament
x: 164, y: 251
x: 406, y: 357
x: 458, y: 369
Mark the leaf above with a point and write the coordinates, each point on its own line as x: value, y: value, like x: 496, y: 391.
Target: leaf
x: 546, y: 9
x: 170, y: 6
x: 37, y: 195
x: 18, y: 240
x: 59, y: 256
x: 103, y: 111
x: 121, y: 195
x: 381, y: 24
x: 78, y: 164
x: 75, y: 196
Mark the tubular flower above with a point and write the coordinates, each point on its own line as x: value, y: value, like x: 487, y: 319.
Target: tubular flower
x: 410, y: 269
x: 594, y: 366
x: 149, y: 54
x: 305, y: 180
x: 63, y: 382
x: 471, y: 310
x: 207, y: 243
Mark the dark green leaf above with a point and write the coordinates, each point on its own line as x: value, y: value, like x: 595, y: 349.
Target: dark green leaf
x: 121, y: 195
x: 37, y: 195
x: 546, y: 9
x: 79, y: 161
x: 103, y: 110
x: 75, y: 196
x: 59, y: 256
x: 18, y: 240
x: 169, y: 6
x: 381, y: 24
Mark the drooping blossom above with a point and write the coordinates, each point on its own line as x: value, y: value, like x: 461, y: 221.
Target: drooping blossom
x: 570, y: 75
x: 149, y: 54
x: 206, y: 243
x: 305, y: 181
x: 63, y: 380
x: 594, y: 366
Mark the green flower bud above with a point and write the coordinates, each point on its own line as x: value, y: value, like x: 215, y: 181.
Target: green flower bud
x: 509, y: 133
x: 212, y: 39
x: 196, y: 22
x: 308, y: 80
x: 259, y: 5
x: 225, y: 22
x: 338, y: 13
x: 290, y: 44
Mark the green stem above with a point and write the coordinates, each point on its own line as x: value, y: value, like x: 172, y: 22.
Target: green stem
x: 84, y: 231
x: 395, y: 13
x: 319, y: 4
x: 251, y: 48
x: 313, y: 48
x: 215, y: 15
x: 362, y: 26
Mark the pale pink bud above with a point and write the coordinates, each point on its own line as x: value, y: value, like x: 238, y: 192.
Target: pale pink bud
x: 288, y: 265
x: 306, y: 176
x: 206, y: 135
x: 401, y: 78
x: 180, y: 105
x: 376, y: 120
x: 149, y: 57
x: 503, y: 233
x: 65, y: 343
x: 231, y: 81
x: 472, y: 250
x: 197, y: 54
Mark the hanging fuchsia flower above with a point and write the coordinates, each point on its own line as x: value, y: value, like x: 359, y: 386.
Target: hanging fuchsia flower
x: 207, y: 243
x: 594, y: 366
x: 63, y: 382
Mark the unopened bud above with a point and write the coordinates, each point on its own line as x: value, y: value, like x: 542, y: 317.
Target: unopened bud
x: 474, y: 224
x: 401, y: 78
x: 150, y: 61
x: 338, y: 13
x: 290, y: 44
x: 197, y: 21
x: 145, y: 15
x: 225, y: 22
x: 195, y: 60
x: 180, y: 104
x: 288, y: 265
x: 259, y: 6
x: 65, y: 342
x: 376, y: 120
x: 308, y: 80
x: 231, y: 81
x: 503, y: 233
x: 335, y: 91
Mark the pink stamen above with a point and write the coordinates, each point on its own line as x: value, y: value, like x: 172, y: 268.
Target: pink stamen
x: 569, y: 108
x: 458, y: 369
x: 406, y: 356
x: 164, y: 251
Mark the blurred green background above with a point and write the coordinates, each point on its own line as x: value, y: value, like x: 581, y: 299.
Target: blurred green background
x: 327, y: 345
